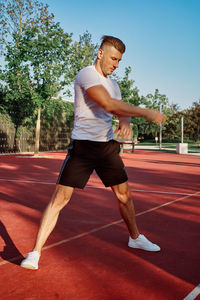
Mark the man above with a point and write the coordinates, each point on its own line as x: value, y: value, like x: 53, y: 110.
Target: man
x: 97, y: 98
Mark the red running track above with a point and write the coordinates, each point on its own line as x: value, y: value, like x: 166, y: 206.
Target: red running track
x: 87, y: 256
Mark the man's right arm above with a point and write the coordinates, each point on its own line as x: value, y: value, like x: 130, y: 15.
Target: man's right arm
x: 100, y: 95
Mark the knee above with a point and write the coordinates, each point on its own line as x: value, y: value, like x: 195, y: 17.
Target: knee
x: 124, y: 197
x: 61, y: 196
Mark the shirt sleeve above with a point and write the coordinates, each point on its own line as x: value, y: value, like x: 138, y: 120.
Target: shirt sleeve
x: 87, y: 78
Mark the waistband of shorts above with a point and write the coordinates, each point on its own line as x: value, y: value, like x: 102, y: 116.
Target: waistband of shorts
x: 93, y: 142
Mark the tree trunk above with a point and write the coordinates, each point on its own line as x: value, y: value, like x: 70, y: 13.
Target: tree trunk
x: 37, y: 134
x: 15, y: 146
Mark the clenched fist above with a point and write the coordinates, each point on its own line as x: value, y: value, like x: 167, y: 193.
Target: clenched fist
x: 155, y: 116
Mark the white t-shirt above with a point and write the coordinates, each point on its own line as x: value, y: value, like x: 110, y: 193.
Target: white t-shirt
x: 91, y: 121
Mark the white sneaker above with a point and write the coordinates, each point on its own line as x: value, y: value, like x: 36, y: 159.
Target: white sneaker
x: 142, y: 243
x: 31, y: 261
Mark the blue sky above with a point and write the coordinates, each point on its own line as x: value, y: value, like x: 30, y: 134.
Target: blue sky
x: 162, y: 39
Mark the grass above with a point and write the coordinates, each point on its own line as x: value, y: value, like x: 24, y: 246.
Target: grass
x: 171, y: 146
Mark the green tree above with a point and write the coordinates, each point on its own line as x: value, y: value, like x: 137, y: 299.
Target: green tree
x: 159, y: 102
x: 35, y: 63
x: 45, y: 53
x: 18, y: 15
x: 192, y: 123
x: 36, y: 57
x: 83, y: 54
x: 172, y: 124
x: 130, y: 95
x: 17, y: 94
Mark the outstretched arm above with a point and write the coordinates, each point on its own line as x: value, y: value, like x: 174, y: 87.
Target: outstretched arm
x: 100, y: 95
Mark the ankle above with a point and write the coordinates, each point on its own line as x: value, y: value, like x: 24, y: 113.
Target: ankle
x: 37, y: 250
x: 135, y: 236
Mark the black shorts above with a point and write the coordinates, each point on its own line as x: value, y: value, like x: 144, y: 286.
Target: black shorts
x: 86, y: 156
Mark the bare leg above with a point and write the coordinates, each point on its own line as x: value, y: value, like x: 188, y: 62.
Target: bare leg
x: 123, y: 194
x: 59, y: 199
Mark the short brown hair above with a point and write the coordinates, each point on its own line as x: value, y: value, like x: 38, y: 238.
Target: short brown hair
x: 113, y: 41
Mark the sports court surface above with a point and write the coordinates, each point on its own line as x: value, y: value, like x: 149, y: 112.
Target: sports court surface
x: 87, y: 257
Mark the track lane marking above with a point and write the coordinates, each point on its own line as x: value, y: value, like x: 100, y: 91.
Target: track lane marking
x: 193, y: 294
x: 25, y: 181
x: 100, y: 187
x: 98, y: 229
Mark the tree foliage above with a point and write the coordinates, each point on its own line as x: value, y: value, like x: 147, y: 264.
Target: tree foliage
x: 18, y: 15
x: 130, y: 94
x: 35, y: 63
x: 36, y: 53
x: 83, y: 53
x: 159, y: 102
x: 17, y: 18
x: 192, y: 122
x: 172, y: 123
x: 191, y: 117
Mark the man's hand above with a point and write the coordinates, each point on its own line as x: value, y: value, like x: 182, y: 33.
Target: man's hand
x: 154, y: 116
x: 124, y: 130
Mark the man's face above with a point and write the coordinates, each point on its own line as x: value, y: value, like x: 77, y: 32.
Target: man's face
x: 109, y: 58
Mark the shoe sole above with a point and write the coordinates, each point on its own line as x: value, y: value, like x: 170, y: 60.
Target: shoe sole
x: 156, y: 250
x: 25, y: 266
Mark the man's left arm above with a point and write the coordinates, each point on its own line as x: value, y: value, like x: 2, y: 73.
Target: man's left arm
x: 124, y: 130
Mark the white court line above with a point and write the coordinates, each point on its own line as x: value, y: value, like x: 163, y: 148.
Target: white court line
x: 193, y: 294
x: 98, y: 229
x: 160, y: 192
x: 150, y: 191
x: 26, y: 181
x: 100, y: 187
